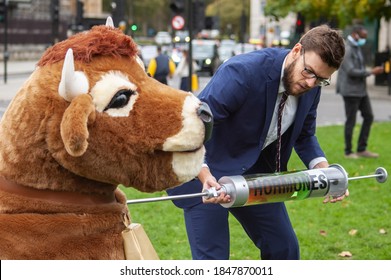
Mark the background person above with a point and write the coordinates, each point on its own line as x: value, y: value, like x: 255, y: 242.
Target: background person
x: 161, y: 67
x: 352, y: 85
x: 244, y: 95
x: 182, y: 71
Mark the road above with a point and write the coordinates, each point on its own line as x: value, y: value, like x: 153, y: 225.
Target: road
x: 331, y: 108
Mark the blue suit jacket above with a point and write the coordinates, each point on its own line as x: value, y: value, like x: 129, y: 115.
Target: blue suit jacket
x: 242, y: 96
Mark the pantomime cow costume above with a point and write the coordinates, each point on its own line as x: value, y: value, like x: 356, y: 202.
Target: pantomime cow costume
x: 88, y: 119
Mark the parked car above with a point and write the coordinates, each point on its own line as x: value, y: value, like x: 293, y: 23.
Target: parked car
x: 244, y: 48
x: 163, y: 38
x: 181, y: 36
x: 205, y: 53
x: 226, y: 52
x: 147, y: 53
x: 227, y: 42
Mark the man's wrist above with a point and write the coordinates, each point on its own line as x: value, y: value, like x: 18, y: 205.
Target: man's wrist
x: 204, y: 173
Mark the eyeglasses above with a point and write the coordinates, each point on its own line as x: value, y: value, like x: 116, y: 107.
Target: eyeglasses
x: 308, y: 74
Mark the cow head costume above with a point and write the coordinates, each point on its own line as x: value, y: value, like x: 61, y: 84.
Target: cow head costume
x: 88, y: 119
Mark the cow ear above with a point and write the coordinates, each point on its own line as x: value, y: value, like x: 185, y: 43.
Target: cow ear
x: 74, y: 124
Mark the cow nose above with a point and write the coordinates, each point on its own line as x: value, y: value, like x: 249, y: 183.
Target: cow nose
x: 207, y: 118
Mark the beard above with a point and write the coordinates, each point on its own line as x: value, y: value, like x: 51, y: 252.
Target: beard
x: 288, y: 79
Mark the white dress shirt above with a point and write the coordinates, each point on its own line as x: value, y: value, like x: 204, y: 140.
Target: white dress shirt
x: 288, y: 116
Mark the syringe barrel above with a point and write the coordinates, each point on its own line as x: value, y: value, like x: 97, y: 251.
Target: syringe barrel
x: 237, y: 187
x: 260, y: 188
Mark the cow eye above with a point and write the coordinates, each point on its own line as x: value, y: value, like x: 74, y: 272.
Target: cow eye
x: 120, y: 99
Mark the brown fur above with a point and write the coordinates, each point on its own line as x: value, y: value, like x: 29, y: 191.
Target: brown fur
x: 49, y: 143
x: 100, y: 42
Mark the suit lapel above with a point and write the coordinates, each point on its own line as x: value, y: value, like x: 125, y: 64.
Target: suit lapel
x: 271, y: 97
x: 272, y: 86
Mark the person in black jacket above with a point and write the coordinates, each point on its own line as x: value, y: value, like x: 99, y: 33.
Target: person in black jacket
x: 352, y: 85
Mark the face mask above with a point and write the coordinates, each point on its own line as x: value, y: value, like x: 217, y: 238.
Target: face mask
x: 361, y: 42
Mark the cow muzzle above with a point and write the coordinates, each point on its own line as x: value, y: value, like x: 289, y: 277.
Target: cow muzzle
x: 207, y: 118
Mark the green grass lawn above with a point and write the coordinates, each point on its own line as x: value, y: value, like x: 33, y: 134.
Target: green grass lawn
x: 361, y: 224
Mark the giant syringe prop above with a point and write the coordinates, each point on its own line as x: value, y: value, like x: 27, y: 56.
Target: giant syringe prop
x: 268, y: 188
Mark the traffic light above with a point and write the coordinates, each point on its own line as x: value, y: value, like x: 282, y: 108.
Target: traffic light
x: 3, y: 11
x: 79, y: 12
x: 55, y: 14
x: 55, y: 11
x: 209, y: 22
x: 134, y: 27
x: 118, y: 11
x: 198, y: 15
x: 177, y: 6
x: 300, y: 24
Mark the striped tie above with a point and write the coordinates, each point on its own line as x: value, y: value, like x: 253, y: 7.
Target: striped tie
x: 279, y: 118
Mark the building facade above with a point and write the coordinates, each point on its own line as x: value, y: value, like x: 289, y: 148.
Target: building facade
x: 265, y: 30
x: 34, y: 25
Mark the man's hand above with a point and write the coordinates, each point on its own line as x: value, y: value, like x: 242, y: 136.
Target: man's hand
x: 208, y: 182
x: 377, y: 70
x: 222, y: 196
x: 332, y: 199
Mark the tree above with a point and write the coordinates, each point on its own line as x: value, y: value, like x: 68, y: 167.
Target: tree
x: 151, y: 14
x: 228, y: 13
x: 343, y: 11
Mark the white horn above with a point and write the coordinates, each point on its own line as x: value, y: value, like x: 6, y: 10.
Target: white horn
x: 109, y: 22
x: 73, y: 83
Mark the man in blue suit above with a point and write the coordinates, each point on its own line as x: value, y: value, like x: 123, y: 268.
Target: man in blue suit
x: 244, y: 95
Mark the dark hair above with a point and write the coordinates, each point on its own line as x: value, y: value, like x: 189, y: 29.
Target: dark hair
x: 327, y: 43
x: 360, y: 30
x: 357, y: 28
